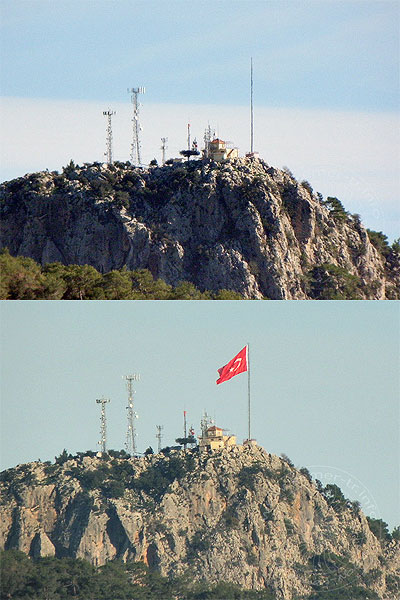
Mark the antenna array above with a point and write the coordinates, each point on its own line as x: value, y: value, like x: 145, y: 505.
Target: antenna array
x: 103, y: 429
x: 205, y: 423
x: 109, y: 113
x: 159, y: 435
x: 163, y: 148
x: 135, y: 147
x: 209, y: 135
x: 130, y: 444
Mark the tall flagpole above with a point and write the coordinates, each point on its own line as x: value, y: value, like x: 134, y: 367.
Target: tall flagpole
x: 248, y: 385
x: 251, y: 107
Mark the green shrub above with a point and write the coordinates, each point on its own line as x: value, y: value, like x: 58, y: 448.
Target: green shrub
x: 380, y: 529
x: 329, y: 282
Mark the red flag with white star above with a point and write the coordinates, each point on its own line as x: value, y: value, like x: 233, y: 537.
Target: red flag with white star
x: 237, y: 365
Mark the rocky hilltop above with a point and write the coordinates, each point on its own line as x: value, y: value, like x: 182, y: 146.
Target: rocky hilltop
x: 240, y: 225
x: 236, y: 515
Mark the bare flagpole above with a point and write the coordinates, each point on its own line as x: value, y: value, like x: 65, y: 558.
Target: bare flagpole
x: 248, y: 386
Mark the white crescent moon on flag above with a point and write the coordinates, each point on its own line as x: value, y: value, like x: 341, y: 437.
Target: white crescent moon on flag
x: 238, y: 360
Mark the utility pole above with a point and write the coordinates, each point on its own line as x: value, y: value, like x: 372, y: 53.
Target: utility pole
x: 109, y: 113
x: 135, y: 146
x: 159, y: 436
x: 184, y: 429
x: 103, y: 428
x: 163, y: 148
x: 130, y: 444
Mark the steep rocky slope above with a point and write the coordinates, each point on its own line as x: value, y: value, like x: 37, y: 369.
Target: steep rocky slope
x: 242, y: 226
x: 239, y: 515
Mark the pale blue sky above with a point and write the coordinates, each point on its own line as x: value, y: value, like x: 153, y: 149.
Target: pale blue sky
x: 324, y: 375
x: 326, y: 86
x: 313, y: 54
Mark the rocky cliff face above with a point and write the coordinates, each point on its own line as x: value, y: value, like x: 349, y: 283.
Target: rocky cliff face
x: 241, y: 225
x: 239, y: 515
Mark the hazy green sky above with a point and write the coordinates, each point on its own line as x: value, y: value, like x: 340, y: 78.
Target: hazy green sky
x: 324, y: 377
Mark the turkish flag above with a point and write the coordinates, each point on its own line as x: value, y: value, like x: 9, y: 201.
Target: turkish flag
x: 234, y: 367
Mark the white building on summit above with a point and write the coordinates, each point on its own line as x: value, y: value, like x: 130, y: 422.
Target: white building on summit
x: 219, y: 150
x: 214, y: 439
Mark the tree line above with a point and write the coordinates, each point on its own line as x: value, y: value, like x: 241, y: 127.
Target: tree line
x: 22, y: 278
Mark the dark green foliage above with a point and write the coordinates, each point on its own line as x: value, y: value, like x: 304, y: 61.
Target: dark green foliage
x: 379, y: 241
x: 230, y: 518
x: 396, y: 246
x: 67, y: 578
x: 336, y: 208
x: 226, y: 591
x: 393, y: 583
x: 307, y: 186
x: 112, y: 478
x: 289, y: 527
x: 23, y: 279
x: 157, y: 478
x: 335, y: 498
x: 185, y: 441
x: 380, y: 529
x: 396, y: 534
x: 112, y: 453
x: 286, y: 495
x: 336, y: 578
x: 287, y: 460
x: 197, y: 545
x: 247, y: 476
x: 360, y: 538
x: 329, y: 282
x: 63, y: 457
x: 304, y: 471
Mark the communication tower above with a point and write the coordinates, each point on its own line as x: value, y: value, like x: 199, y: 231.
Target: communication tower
x: 163, y: 148
x: 135, y: 147
x: 209, y: 135
x: 109, y: 113
x: 130, y: 444
x: 103, y: 429
x: 159, y: 435
x: 205, y: 423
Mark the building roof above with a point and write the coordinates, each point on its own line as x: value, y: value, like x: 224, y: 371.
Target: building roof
x: 214, y: 429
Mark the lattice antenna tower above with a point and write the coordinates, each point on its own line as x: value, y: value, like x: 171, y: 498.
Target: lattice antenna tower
x: 135, y: 147
x: 209, y: 135
x: 205, y: 423
x: 130, y: 444
x: 109, y: 113
x: 163, y: 148
x: 103, y: 428
x: 159, y: 436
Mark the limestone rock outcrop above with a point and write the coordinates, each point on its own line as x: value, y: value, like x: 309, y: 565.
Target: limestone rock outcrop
x: 240, y: 225
x: 239, y: 514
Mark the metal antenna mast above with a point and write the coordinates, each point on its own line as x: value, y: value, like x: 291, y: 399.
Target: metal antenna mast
x: 130, y: 444
x: 109, y: 113
x: 209, y: 134
x: 135, y: 147
x: 103, y: 429
x: 163, y: 148
x: 205, y: 423
x: 159, y: 436
x: 251, y: 107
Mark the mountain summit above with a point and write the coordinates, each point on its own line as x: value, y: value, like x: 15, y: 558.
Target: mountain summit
x: 237, y: 514
x: 239, y: 225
